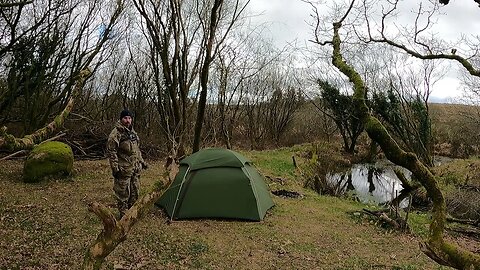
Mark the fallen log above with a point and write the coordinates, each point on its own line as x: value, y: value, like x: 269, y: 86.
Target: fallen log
x: 471, y: 232
x: 475, y: 223
x: 398, y: 223
x: 115, y: 231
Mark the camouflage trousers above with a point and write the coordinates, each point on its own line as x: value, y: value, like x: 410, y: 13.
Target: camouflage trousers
x: 126, y: 189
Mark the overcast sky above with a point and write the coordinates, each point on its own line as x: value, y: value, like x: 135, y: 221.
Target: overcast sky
x: 287, y: 21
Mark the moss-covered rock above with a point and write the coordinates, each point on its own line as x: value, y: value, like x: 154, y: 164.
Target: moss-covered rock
x: 48, y: 159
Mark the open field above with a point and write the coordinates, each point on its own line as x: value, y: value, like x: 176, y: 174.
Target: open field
x: 47, y: 226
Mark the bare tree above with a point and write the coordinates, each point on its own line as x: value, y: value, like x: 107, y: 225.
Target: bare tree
x: 241, y: 58
x: 283, y: 103
x: 436, y: 247
x: 255, y: 104
x: 10, y: 142
x: 63, y: 76
x: 212, y: 42
x: 44, y: 47
x: 184, y: 37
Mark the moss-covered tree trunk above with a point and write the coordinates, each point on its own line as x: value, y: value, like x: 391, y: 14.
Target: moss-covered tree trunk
x: 11, y: 143
x: 435, y: 247
x: 115, y: 231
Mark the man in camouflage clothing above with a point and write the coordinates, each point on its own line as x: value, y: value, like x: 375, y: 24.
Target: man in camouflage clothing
x: 126, y: 162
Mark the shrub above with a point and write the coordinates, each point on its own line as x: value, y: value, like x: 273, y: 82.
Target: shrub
x: 322, y: 162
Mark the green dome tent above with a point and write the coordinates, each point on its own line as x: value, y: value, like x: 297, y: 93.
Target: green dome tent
x: 216, y: 183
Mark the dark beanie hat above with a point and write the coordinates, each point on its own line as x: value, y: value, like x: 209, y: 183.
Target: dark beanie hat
x: 124, y: 113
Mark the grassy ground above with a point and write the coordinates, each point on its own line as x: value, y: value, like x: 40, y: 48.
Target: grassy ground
x: 47, y: 226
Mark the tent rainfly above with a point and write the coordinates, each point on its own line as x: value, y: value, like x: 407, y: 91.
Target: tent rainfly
x: 216, y: 183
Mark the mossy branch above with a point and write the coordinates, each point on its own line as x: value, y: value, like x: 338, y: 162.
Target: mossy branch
x: 11, y: 143
x: 406, y: 184
x: 408, y: 187
x: 461, y: 60
x: 107, y: 217
x: 115, y: 231
x: 435, y: 247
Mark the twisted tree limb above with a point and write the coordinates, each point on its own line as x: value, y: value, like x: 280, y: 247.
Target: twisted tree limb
x: 408, y: 187
x: 475, y: 223
x: 11, y: 143
x: 435, y: 247
x: 115, y: 231
x: 9, y: 4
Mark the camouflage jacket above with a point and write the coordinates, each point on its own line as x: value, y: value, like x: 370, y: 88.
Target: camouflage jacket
x: 123, y: 150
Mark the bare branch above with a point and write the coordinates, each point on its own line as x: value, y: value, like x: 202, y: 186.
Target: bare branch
x: 15, y: 4
x: 424, y: 28
x: 463, y: 61
x: 8, y: 141
x: 316, y: 17
x: 430, y: 54
x: 435, y: 247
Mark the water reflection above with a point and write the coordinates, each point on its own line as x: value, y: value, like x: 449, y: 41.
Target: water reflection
x: 375, y: 183
x: 371, y: 183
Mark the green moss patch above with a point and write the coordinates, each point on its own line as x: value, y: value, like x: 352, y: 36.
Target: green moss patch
x: 48, y: 159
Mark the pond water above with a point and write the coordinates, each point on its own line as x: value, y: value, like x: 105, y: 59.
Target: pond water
x: 374, y: 183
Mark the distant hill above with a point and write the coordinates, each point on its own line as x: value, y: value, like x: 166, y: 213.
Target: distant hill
x: 434, y: 99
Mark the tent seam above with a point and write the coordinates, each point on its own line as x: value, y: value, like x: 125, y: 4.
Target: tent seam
x: 254, y: 189
x: 178, y: 194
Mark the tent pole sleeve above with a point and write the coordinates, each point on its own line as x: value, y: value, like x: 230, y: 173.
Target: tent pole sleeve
x: 254, y: 188
x: 178, y: 194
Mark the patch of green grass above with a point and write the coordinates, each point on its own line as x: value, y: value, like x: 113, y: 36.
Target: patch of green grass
x: 277, y: 163
x: 196, y: 250
x: 357, y: 216
x: 450, y: 178
x: 337, y: 204
x: 176, y: 250
x: 406, y: 267
x: 197, y: 247
x: 419, y: 224
x: 305, y: 247
x: 27, y: 225
x: 357, y: 263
